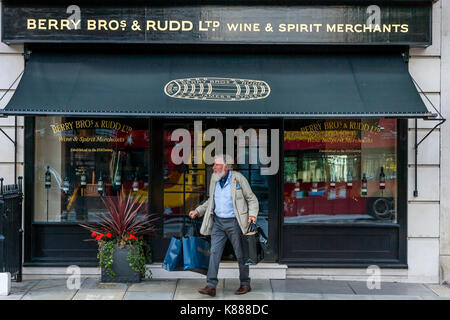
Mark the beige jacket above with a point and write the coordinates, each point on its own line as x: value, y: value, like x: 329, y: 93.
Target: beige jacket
x: 245, y: 203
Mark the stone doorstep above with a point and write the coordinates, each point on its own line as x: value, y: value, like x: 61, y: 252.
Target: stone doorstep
x: 226, y: 270
x: 230, y: 270
x: 357, y: 274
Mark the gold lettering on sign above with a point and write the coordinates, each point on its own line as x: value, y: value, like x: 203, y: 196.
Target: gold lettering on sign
x: 51, y: 24
x: 31, y: 24
x: 169, y: 25
x: 210, y: 26
x: 91, y: 124
x: 244, y: 27
x: 358, y: 28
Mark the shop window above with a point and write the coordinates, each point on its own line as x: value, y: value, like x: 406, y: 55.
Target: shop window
x: 77, y: 161
x: 258, y: 182
x: 186, y: 185
x: 339, y: 171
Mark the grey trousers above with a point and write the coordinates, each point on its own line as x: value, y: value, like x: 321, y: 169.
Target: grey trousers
x: 222, y: 229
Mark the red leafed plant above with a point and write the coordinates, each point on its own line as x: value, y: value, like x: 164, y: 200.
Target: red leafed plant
x: 124, y: 219
x: 123, y: 224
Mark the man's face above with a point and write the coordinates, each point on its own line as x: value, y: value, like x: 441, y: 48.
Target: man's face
x: 219, y: 168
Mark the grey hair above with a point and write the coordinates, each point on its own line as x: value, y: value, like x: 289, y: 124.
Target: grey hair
x: 227, y: 159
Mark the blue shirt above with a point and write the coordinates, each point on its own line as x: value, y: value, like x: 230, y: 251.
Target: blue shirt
x: 223, y: 200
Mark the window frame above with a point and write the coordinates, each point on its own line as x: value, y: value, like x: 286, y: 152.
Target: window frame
x: 399, y: 248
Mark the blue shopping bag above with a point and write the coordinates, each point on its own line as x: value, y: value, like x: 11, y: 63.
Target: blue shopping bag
x: 174, y: 256
x: 196, y: 251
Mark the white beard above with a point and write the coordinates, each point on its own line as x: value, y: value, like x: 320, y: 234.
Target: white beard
x: 217, y: 176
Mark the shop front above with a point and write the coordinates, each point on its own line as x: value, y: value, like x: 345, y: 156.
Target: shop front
x: 323, y: 127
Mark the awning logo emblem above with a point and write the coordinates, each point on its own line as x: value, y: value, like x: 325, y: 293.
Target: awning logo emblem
x: 217, y: 89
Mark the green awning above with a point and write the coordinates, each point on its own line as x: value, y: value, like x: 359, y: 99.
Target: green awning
x: 198, y: 85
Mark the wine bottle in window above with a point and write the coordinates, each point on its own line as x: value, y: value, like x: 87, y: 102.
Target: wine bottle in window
x: 135, y: 185
x: 100, y: 185
x: 118, y: 181
x: 48, y: 178
x: 364, y: 185
x: 83, y: 180
x: 332, y: 184
x: 332, y: 191
x: 382, y: 179
x: 313, y: 186
x: 66, y: 185
x: 296, y: 192
x: 349, y: 180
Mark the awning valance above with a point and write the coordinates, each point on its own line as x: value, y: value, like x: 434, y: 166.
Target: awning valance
x: 241, y: 85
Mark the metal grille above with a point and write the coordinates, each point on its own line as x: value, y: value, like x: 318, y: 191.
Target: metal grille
x: 11, y: 231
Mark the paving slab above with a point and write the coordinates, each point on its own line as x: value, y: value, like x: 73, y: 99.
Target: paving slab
x: 392, y: 288
x: 152, y: 290
x: 49, y: 294
x: 311, y: 286
x: 23, y: 286
x: 95, y: 284
x: 368, y: 297
x: 261, y: 290
x: 297, y: 296
x: 156, y: 286
x: 12, y: 297
x: 51, y: 284
x: 99, y: 294
x: 142, y: 295
x: 187, y: 290
x: 440, y: 290
x: 435, y: 298
x: 19, y: 289
x: 394, y: 297
x: 50, y: 289
x: 345, y: 297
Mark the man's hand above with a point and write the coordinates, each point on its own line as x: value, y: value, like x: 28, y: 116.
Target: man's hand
x: 251, y: 219
x: 193, y: 214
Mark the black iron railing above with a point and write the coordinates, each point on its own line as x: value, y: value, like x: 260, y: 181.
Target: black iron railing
x: 11, y: 232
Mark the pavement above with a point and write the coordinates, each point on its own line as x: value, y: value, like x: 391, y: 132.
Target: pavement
x: 186, y: 289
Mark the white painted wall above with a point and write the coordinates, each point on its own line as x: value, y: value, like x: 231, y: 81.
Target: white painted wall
x: 428, y: 214
x: 424, y: 210
x: 444, y: 246
x: 11, y: 65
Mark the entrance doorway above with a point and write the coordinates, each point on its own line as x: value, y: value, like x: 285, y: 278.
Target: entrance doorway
x: 184, y: 186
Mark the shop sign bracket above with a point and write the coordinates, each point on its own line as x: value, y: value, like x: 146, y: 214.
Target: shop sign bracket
x: 13, y: 141
x: 437, y: 117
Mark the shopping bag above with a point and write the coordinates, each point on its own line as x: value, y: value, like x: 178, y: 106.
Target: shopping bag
x: 253, y: 245
x: 173, y: 260
x: 196, y: 251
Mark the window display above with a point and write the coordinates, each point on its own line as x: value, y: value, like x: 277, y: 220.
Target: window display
x: 79, y: 160
x: 340, y: 170
x: 185, y: 184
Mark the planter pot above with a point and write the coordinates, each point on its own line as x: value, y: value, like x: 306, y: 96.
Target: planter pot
x: 121, y: 266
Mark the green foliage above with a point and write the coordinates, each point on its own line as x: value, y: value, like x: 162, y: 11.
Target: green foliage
x: 138, y: 256
x: 105, y: 256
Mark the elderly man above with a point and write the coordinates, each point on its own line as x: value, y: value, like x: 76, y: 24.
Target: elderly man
x: 227, y: 212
